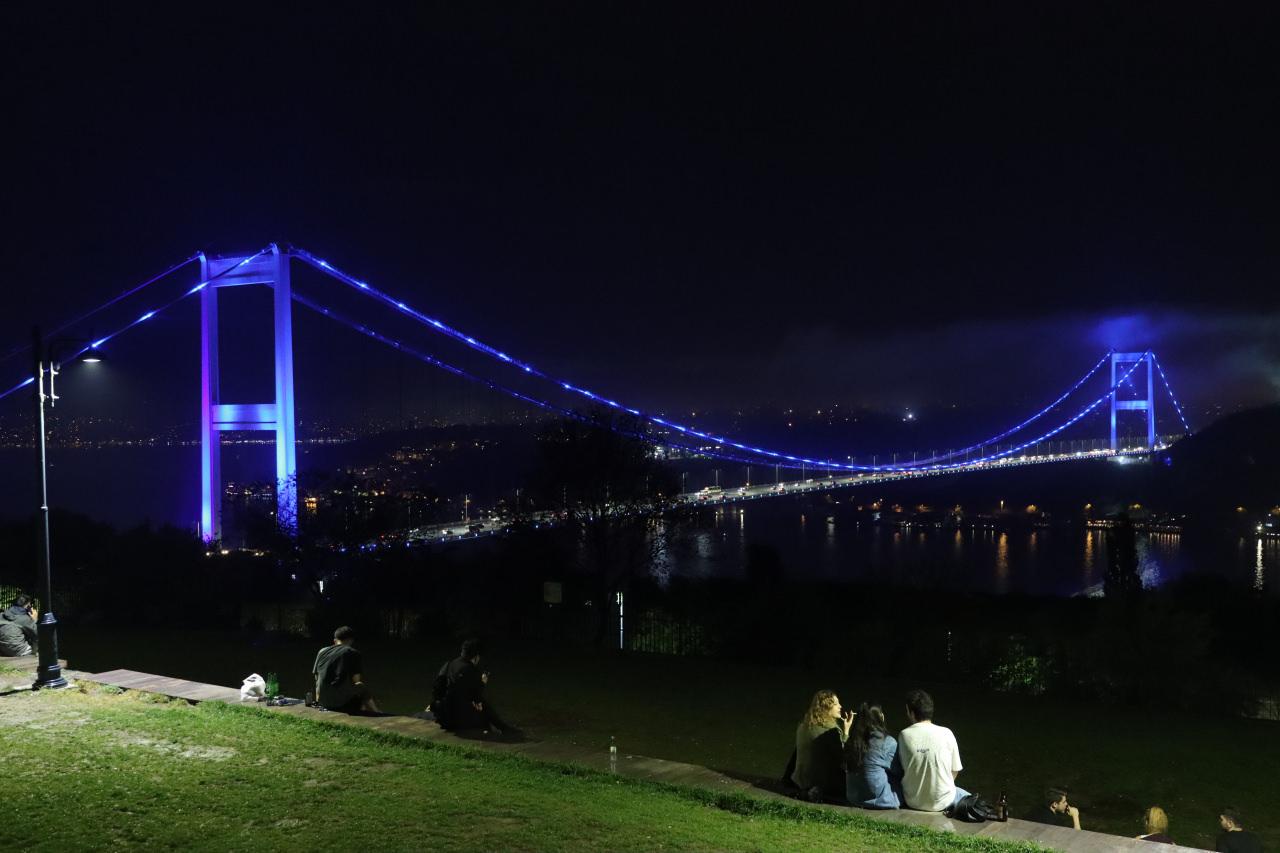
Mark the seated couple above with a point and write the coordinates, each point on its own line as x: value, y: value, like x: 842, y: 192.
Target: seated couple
x: 846, y: 757
x: 458, y: 699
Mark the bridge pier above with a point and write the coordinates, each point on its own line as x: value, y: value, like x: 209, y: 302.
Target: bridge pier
x: 1120, y: 360
x: 216, y: 416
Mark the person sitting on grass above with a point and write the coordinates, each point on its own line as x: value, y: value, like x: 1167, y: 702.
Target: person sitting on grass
x: 930, y: 759
x: 1055, y: 810
x: 1156, y: 824
x: 461, y: 705
x: 339, y: 675
x: 820, y: 738
x: 872, y: 781
x: 18, y: 628
x: 1235, y: 838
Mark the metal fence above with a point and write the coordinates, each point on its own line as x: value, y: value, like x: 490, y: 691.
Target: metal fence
x: 656, y: 632
x: 9, y: 593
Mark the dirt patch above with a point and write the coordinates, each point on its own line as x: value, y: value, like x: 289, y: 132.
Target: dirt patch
x: 196, y: 752
x: 26, y: 710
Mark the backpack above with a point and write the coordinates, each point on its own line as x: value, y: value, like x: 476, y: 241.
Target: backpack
x: 440, y: 689
x: 973, y: 809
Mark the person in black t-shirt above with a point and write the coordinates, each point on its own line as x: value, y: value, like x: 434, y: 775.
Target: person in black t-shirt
x: 339, y: 675
x: 1235, y: 838
x: 1055, y: 810
x: 458, y: 700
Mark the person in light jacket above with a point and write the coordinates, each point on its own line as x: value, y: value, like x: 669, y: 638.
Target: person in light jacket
x: 872, y: 780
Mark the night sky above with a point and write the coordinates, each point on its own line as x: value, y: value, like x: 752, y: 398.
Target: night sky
x: 682, y: 205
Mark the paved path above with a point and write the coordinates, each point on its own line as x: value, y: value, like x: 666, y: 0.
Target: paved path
x: 634, y: 766
x: 18, y: 673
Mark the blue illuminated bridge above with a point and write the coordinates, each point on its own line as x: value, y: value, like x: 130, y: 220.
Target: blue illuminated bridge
x: 1118, y: 382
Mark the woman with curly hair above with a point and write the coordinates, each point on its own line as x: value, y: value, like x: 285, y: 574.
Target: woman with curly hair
x: 1156, y: 824
x: 820, y: 738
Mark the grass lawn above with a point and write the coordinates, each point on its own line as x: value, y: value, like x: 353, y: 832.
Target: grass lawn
x: 98, y: 768
x: 739, y: 719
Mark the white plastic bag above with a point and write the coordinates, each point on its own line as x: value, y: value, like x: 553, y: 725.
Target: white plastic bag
x: 254, y: 687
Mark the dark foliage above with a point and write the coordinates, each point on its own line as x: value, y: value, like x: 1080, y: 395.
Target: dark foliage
x: 614, y: 501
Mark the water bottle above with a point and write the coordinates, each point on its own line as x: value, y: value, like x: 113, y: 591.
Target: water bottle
x: 613, y: 754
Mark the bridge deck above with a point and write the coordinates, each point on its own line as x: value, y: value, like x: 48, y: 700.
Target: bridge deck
x: 634, y: 766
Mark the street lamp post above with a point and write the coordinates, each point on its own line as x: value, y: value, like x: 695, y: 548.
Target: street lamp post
x: 49, y: 671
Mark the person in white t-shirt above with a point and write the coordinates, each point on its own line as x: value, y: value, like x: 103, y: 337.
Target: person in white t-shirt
x: 930, y: 759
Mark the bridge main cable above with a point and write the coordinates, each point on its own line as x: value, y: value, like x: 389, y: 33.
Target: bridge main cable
x: 95, y: 344
x: 85, y: 316
x: 432, y: 360
x: 530, y: 369
x: 1176, y: 405
x: 952, y: 454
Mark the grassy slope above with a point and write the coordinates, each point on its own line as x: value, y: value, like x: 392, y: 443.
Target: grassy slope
x: 739, y: 719
x: 122, y: 771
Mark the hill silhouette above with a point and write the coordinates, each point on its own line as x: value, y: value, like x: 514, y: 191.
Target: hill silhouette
x: 1232, y: 462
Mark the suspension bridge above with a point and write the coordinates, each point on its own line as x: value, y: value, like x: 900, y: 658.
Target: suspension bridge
x: 1118, y: 382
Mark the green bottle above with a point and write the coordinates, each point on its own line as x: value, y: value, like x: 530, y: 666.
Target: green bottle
x: 273, y: 685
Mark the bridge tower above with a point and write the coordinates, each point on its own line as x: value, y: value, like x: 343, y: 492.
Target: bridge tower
x: 272, y: 269
x: 1119, y: 361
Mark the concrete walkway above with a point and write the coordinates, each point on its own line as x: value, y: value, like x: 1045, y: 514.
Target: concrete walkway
x: 18, y: 673
x: 634, y: 766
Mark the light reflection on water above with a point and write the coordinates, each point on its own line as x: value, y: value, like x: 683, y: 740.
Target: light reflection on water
x: 1259, y: 569
x: 1064, y: 560
x: 1148, y: 564
x: 1002, y: 563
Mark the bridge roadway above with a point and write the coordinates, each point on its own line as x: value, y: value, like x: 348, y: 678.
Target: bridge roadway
x: 480, y: 528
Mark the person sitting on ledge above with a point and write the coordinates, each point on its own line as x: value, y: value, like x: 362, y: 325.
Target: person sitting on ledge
x: 1235, y: 838
x: 871, y: 781
x: 1055, y: 810
x: 339, y: 674
x: 18, y: 628
x: 1156, y: 823
x: 930, y: 759
x: 458, y: 700
x: 820, y: 739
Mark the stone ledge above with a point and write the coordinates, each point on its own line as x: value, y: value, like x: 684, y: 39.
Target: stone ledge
x: 642, y: 767
x: 26, y: 663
